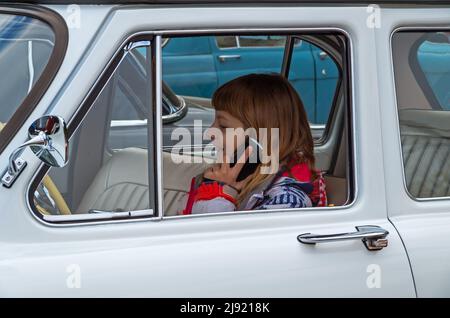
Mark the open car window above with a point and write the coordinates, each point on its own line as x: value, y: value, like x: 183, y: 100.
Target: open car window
x: 194, y: 67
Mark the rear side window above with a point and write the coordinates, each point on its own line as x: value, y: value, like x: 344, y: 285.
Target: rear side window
x: 26, y: 45
x: 422, y: 81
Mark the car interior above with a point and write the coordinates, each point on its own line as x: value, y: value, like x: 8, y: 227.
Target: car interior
x: 111, y: 179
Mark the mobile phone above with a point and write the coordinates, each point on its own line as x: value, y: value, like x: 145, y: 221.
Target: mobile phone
x: 249, y: 167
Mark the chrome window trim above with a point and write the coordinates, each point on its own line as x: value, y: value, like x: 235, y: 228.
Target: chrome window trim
x: 89, y: 217
x: 159, y: 165
x: 157, y: 67
x: 352, y: 111
x: 399, y: 137
x: 43, y: 169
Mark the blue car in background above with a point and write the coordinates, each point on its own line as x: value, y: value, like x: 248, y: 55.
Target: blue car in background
x: 197, y: 66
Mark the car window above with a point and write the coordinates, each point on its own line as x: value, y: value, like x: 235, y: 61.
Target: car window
x: 195, y: 67
x: 227, y: 41
x: 25, y: 48
x: 422, y: 73
x: 107, y: 172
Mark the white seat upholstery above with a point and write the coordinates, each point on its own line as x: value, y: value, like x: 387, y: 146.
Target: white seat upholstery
x: 425, y: 136
x: 122, y: 183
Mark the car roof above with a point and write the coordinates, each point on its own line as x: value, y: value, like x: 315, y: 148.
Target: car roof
x: 306, y: 2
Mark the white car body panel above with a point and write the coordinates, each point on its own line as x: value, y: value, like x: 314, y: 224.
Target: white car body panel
x: 248, y: 255
x: 424, y: 225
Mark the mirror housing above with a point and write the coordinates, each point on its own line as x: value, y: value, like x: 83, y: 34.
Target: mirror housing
x: 51, y: 141
x: 48, y: 141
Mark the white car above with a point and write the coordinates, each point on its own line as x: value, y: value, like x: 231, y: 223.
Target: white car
x: 94, y: 184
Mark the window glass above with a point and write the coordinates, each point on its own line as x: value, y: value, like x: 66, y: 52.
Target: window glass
x: 422, y: 74
x: 195, y: 67
x: 25, y: 48
x: 107, y: 171
x: 224, y: 42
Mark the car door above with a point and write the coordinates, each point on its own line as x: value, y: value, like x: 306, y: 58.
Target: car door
x: 255, y: 254
x: 418, y: 157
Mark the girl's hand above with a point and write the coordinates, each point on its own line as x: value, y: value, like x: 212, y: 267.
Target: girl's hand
x: 222, y: 172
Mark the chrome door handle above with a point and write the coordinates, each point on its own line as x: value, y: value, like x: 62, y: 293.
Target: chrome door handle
x: 224, y: 58
x: 373, y: 237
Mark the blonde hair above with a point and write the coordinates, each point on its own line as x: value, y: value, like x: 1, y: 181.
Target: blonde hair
x: 269, y: 101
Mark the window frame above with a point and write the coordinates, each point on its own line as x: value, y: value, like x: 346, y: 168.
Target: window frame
x: 404, y: 29
x: 61, y: 34
x: 347, y: 88
x: 76, y: 121
x: 78, y: 115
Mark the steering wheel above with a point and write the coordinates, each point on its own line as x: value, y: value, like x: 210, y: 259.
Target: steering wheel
x: 53, y: 191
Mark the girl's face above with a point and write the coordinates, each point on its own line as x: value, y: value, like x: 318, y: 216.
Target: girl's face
x: 223, y: 129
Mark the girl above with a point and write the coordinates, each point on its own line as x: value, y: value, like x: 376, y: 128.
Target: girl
x: 260, y: 101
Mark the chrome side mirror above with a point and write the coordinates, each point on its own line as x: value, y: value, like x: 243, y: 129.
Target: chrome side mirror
x: 48, y: 141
